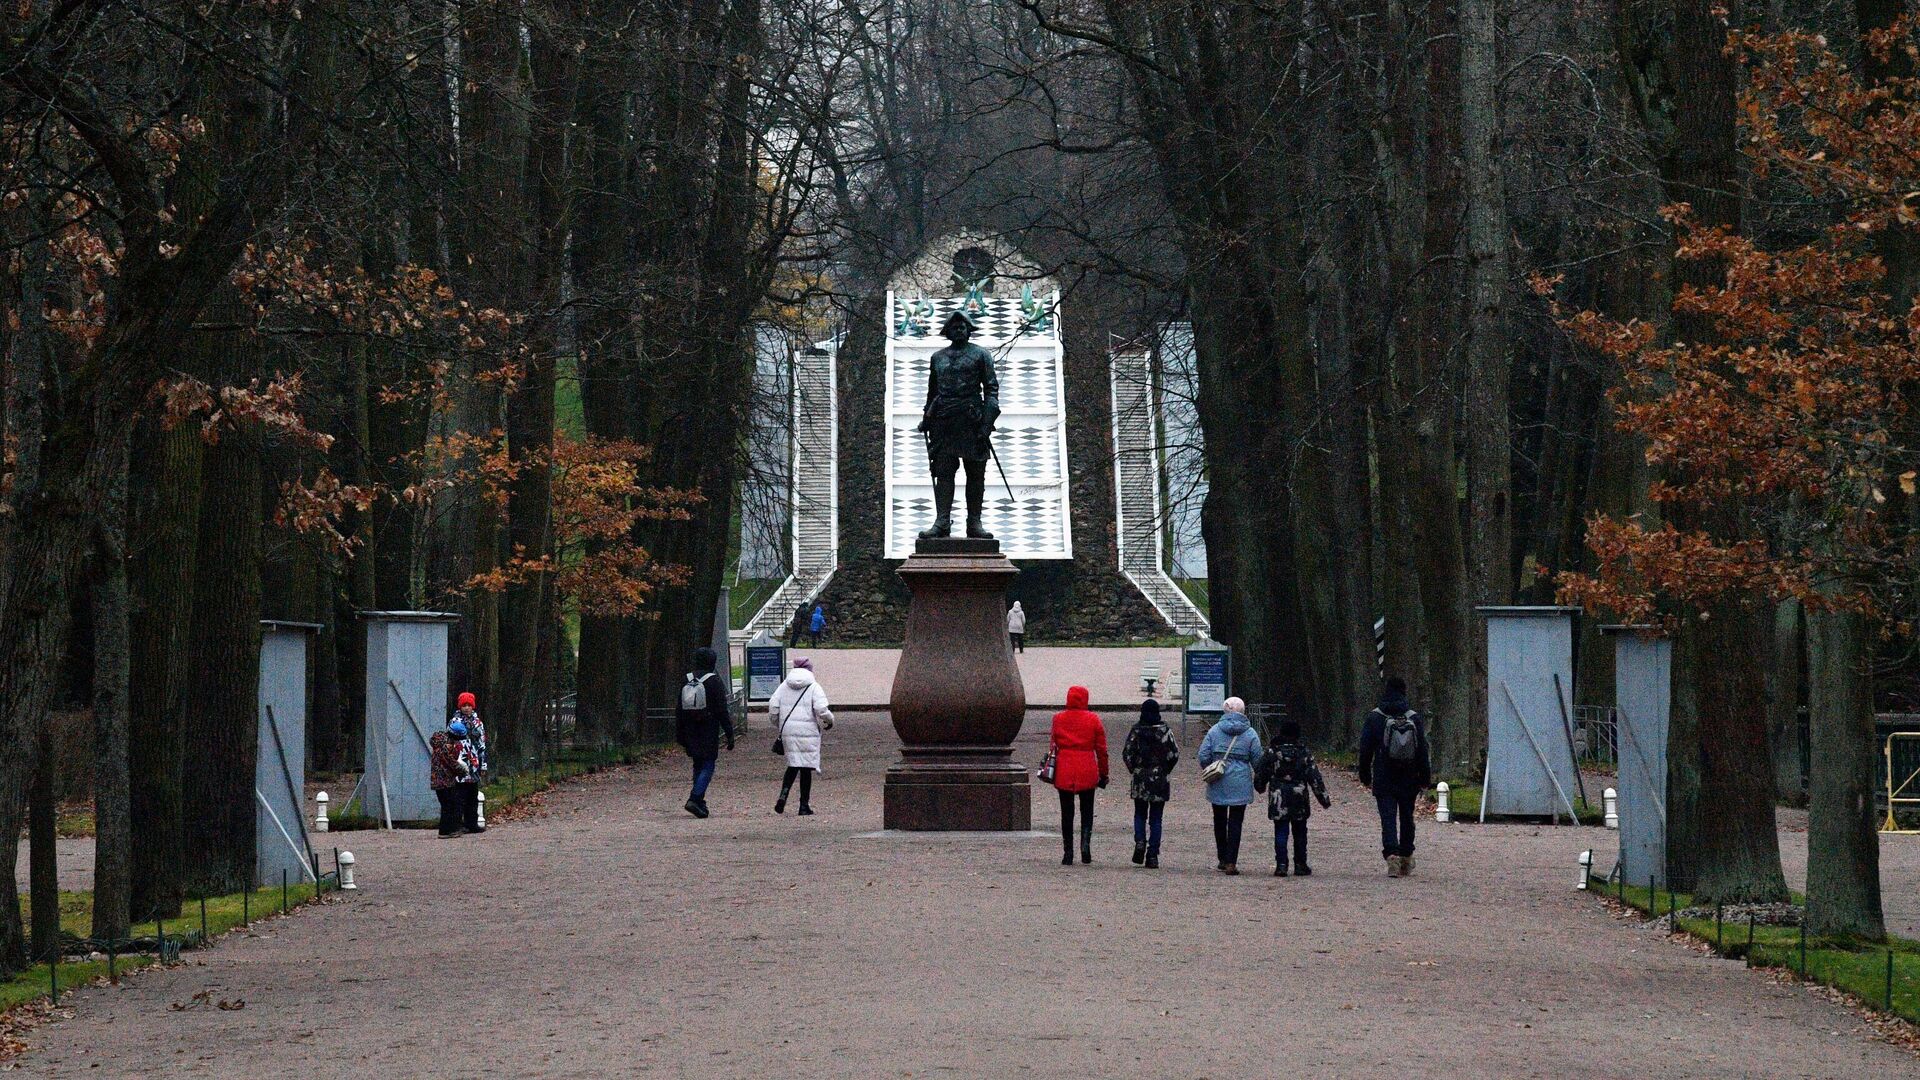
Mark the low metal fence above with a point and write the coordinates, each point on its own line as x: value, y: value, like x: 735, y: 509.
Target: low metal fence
x: 1596, y: 736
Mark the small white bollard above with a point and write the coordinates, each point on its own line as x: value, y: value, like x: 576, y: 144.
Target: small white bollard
x: 1443, y: 806
x: 320, y: 823
x: 482, y: 818
x: 346, y: 872
x: 1586, y: 868
x: 1610, y: 799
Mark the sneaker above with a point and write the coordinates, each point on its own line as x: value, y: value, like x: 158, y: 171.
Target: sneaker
x: 1302, y: 870
x: 1393, y: 866
x: 1139, y: 854
x: 1232, y: 870
x: 1406, y: 865
x: 1153, y: 860
x: 693, y: 807
x: 1280, y: 871
x: 448, y: 835
x: 478, y: 831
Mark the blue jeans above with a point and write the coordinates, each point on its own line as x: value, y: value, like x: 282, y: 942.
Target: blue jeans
x: 1396, y: 821
x: 1146, y: 823
x: 702, y: 776
x: 1298, y: 828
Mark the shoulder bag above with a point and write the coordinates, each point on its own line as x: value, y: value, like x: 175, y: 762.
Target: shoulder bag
x: 1045, y: 772
x: 1216, y: 769
x: 779, y: 738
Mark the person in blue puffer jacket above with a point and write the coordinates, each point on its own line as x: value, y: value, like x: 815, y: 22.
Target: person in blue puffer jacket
x: 1233, y: 741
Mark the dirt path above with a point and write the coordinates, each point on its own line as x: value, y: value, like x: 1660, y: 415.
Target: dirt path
x: 617, y: 936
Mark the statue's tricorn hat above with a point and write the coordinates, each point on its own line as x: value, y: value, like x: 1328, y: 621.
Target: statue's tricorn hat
x: 958, y: 317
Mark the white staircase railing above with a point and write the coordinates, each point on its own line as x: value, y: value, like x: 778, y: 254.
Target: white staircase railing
x: 816, y: 491
x: 1136, y: 486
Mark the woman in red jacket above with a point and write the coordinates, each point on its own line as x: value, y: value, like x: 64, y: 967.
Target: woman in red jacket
x: 1079, y: 766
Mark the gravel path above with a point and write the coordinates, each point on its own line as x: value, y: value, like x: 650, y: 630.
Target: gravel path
x: 614, y: 936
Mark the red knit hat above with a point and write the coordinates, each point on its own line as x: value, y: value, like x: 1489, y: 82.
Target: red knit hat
x: 467, y: 701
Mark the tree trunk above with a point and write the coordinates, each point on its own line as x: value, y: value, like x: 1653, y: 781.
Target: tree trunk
x: 1785, y: 662
x: 222, y: 719
x: 1843, y: 839
x: 166, y: 476
x: 43, y: 861
x: 112, y: 813
x: 1486, y: 417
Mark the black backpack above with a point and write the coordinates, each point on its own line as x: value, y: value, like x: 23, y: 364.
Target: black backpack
x: 1400, y: 739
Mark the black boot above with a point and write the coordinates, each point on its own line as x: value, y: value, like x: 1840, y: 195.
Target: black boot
x: 1139, y: 853
x: 780, y: 805
x: 1280, y: 870
x: 1301, y: 869
x: 1086, y: 844
x: 804, y: 810
x: 976, y: 530
x: 1153, y: 858
x: 941, y: 528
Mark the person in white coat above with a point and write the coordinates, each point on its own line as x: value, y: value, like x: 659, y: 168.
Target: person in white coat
x: 1017, y: 626
x: 800, y: 713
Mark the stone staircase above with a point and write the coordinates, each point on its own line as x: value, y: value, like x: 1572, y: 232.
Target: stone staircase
x: 1136, y: 479
x: 816, y: 479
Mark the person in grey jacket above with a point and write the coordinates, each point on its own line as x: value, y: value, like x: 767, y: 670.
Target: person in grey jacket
x: 1233, y: 741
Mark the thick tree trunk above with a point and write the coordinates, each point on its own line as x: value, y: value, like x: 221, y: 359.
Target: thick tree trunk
x: 1486, y: 416
x: 112, y: 812
x: 222, y: 719
x: 1843, y: 840
x: 166, y: 482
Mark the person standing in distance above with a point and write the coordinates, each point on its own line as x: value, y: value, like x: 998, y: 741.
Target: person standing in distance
x: 1394, y: 762
x: 698, y: 722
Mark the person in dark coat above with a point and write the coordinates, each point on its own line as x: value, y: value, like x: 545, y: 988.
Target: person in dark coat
x: 698, y: 731
x: 1291, y: 779
x: 1150, y: 754
x: 1394, y: 762
x: 802, y: 618
x: 1079, y: 766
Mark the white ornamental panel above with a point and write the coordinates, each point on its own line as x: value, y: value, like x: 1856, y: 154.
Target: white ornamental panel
x: 1023, y: 335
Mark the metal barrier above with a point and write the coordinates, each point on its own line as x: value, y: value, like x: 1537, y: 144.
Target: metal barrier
x: 1596, y: 736
x: 1902, y: 752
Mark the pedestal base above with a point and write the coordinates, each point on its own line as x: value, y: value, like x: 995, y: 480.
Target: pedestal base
x: 957, y: 789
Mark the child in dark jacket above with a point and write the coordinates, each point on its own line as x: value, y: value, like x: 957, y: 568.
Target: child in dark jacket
x: 1288, y: 773
x: 1150, y: 755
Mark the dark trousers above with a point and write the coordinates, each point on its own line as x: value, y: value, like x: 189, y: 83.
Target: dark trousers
x: 702, y: 776
x: 1146, y: 823
x: 1066, y: 817
x: 813, y: 638
x: 1020, y: 642
x: 806, y: 784
x: 449, y: 808
x: 1227, y: 822
x: 469, y: 805
x: 1299, y: 831
x: 1396, y: 821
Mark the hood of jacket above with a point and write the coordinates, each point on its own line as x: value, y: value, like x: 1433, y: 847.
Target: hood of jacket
x: 1233, y: 724
x: 799, y: 678
x: 1077, y: 697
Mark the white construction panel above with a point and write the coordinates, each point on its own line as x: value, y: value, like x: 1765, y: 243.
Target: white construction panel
x: 281, y: 843
x: 1030, y: 438
x: 1530, y: 770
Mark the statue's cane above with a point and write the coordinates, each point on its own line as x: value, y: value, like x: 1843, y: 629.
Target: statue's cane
x: 995, y: 455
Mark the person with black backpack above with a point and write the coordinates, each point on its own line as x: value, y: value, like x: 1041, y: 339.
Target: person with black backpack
x: 1395, y: 764
x: 698, y: 722
x: 1150, y: 755
x: 1292, y: 780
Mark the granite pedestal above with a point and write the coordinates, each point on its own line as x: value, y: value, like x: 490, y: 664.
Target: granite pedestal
x: 958, y: 701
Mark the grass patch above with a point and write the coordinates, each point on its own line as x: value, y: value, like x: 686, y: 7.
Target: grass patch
x: 1857, y: 968
x: 1464, y: 801
x: 223, y: 913
x: 1196, y: 590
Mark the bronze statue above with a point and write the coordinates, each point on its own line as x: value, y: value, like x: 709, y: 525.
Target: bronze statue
x: 963, y: 401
